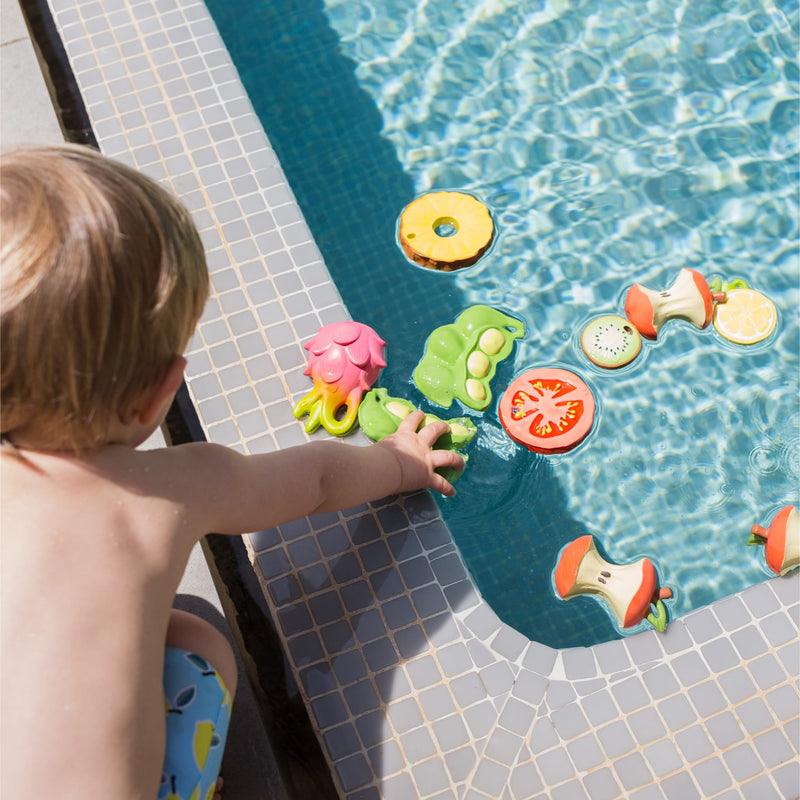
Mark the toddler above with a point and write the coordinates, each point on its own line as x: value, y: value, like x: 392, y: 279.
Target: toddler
x: 107, y: 691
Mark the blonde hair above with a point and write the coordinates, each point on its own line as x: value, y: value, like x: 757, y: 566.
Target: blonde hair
x: 103, y: 281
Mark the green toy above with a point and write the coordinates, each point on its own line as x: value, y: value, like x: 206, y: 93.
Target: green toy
x: 460, y: 359
x: 380, y: 415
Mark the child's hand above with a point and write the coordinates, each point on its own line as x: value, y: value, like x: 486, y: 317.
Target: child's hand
x: 417, y: 461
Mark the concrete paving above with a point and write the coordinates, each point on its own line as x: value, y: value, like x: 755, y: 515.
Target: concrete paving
x: 27, y: 116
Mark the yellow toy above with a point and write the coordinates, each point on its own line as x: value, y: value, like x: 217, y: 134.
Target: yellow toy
x: 445, y: 230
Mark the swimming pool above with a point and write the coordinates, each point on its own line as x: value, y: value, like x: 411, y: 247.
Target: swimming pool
x: 612, y: 147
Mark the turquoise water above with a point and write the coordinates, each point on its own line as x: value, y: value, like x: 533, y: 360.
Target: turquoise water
x: 614, y: 143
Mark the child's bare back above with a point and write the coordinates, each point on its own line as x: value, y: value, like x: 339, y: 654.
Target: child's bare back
x: 95, y: 533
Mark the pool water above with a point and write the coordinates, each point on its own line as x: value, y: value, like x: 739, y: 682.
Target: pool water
x: 614, y: 143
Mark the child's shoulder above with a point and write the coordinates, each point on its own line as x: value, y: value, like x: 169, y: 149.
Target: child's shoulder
x: 162, y: 472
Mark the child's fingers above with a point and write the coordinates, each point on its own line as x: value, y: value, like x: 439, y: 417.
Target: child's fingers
x: 447, y: 458
x: 432, y: 431
x: 411, y: 422
x: 442, y: 486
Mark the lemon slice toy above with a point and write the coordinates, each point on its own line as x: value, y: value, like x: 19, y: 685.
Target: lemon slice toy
x: 746, y: 316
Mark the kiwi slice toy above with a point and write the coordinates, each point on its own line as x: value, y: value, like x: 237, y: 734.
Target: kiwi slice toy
x: 611, y: 341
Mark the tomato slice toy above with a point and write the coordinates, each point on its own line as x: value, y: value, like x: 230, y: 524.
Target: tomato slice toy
x: 548, y: 410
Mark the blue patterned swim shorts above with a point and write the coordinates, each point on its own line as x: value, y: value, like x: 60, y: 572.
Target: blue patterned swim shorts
x: 198, y: 707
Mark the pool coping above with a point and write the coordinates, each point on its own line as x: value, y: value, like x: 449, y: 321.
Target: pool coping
x: 415, y: 687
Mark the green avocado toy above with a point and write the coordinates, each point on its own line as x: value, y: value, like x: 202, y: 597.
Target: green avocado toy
x: 380, y: 415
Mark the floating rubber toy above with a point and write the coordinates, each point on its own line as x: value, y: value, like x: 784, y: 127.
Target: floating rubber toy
x: 746, y: 316
x: 689, y: 299
x: 379, y: 416
x: 445, y: 230
x: 611, y: 341
x: 460, y: 359
x: 548, y: 410
x: 781, y: 542
x: 345, y: 359
x: 629, y: 590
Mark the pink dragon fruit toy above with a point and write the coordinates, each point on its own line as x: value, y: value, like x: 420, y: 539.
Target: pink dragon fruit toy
x: 345, y: 359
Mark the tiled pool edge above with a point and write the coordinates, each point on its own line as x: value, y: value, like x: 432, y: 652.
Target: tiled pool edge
x: 416, y: 687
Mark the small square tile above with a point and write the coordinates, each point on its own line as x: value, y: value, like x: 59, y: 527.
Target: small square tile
x: 663, y: 757
x: 353, y: 772
x: 630, y: 694
x: 416, y: 572
x: 428, y: 600
x: 600, y: 708
x: 543, y: 736
x: 559, y: 693
x: 732, y: 613
x: 784, y: 702
x: 518, y: 717
x: 644, y: 648
x: 779, y: 629
x: 490, y: 777
x: 766, y: 671
x: 442, y: 630
x: 341, y: 741
x: 694, y: 743
x: 386, y: 758
x: 418, y: 745
x: 754, y: 715
x: 725, y: 729
x: 569, y: 721
x: 711, y: 776
x: 787, y: 778
x: 430, y: 776
x: 451, y: 732
x: 737, y: 685
x: 702, y: 625
x: 368, y: 625
x: 690, y: 668
x: 646, y: 725
x: 411, y: 641
x: 602, y: 785
x: 480, y: 718
x: 460, y: 763
x: 579, y: 663
x: 616, y: 739
x: 632, y: 771
x: 503, y: 746
x: 329, y: 710
x: 405, y: 715
x: 707, y: 698
x: 349, y: 667
x: 468, y: 689
x: 585, y: 753
x: 423, y: 672
x: 380, y: 654
x: 773, y: 748
x: 555, y: 767
x: 318, y: 679
x: 680, y: 785
x: 498, y: 678
x: 361, y: 697
x: 743, y: 762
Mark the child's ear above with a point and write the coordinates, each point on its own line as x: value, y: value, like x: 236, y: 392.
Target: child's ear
x: 154, y: 399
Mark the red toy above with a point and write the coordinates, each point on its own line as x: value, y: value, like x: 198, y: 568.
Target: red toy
x: 547, y: 410
x: 689, y: 298
x: 629, y: 589
x: 781, y: 542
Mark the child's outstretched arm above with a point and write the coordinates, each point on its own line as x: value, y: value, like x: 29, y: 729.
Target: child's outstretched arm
x: 239, y: 494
